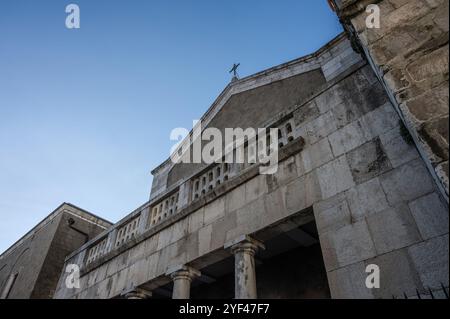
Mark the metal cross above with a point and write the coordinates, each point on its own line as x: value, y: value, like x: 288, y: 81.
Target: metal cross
x: 234, y: 69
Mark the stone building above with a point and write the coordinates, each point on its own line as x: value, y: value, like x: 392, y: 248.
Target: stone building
x: 362, y: 180
x: 31, y: 267
x: 351, y: 190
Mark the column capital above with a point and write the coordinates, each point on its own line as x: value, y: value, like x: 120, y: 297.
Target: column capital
x: 182, y: 272
x: 244, y: 243
x: 137, y: 293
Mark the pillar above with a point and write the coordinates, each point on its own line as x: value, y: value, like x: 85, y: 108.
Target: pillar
x: 244, y: 249
x: 137, y: 293
x: 182, y: 277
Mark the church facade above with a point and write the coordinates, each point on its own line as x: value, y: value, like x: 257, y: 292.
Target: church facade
x: 355, y: 204
x: 351, y: 192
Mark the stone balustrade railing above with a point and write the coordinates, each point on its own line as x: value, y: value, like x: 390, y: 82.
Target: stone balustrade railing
x: 168, y: 204
x: 98, y: 250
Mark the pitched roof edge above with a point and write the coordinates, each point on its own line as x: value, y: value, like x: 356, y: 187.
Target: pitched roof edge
x: 60, y: 209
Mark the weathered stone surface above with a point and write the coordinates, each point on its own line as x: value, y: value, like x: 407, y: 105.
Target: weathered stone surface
x: 319, y: 128
x: 306, y: 113
x: 442, y: 173
x: 379, y: 121
x: 406, y: 182
x: 255, y: 188
x: 119, y: 282
x: 173, y: 233
x: 398, y: 150
x: 436, y: 101
x: 368, y: 161
x: 222, y: 226
x: 347, y: 245
x: 340, y: 63
x: 248, y: 219
x: 204, y: 239
x: 300, y: 167
x: 316, y: 155
x: 138, y: 272
x: 302, y: 193
x: 287, y: 172
x: 366, y: 199
x: 235, y: 199
x: 332, y: 213
x: 431, y: 261
x: 214, y: 211
x: 367, y: 99
x: 348, y: 138
x: 328, y: 100
x: 196, y: 220
x: 335, y: 177
x: 392, y: 229
x: 349, y: 282
x: 435, y: 134
x: 431, y: 215
x: 397, y: 275
x: 120, y: 263
x: 275, y: 203
x: 152, y: 264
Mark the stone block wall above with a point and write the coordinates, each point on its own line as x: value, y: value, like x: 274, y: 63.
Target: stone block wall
x: 409, y: 53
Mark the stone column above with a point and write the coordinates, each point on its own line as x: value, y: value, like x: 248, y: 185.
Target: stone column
x: 182, y: 277
x: 244, y: 249
x: 137, y: 293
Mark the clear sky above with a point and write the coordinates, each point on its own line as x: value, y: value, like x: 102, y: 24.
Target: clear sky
x: 86, y: 114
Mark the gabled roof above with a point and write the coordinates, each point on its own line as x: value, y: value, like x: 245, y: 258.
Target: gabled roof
x: 298, y: 66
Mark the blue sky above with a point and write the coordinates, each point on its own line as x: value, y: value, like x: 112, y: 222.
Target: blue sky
x: 86, y: 114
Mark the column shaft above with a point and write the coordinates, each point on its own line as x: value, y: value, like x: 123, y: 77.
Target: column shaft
x: 182, y: 277
x: 244, y: 250
x: 137, y: 293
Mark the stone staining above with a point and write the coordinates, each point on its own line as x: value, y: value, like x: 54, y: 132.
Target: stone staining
x: 409, y: 53
x: 244, y: 250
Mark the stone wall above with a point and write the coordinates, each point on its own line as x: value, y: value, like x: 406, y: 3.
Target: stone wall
x: 373, y: 199
x: 38, y: 257
x: 409, y: 53
x: 27, y: 260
